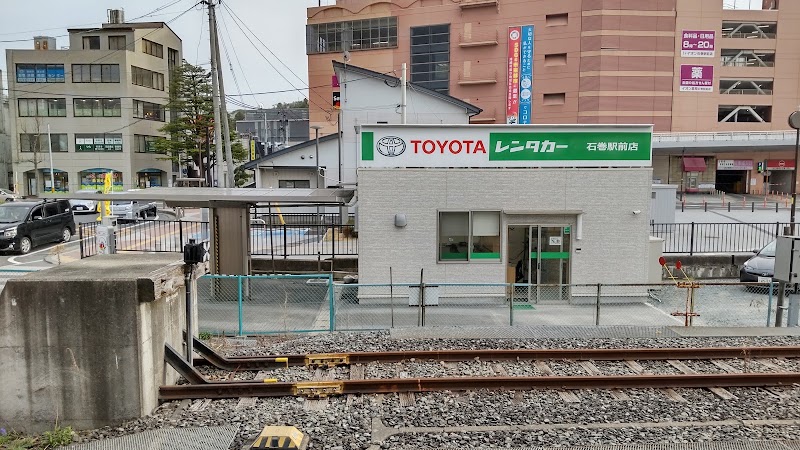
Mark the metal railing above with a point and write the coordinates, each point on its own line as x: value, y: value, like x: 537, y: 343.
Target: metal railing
x: 692, y: 238
x: 274, y: 304
x: 746, y: 91
x: 265, y: 240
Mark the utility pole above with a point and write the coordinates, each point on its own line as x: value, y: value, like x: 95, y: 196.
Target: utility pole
x: 212, y: 31
x: 403, y: 93
x: 229, y: 179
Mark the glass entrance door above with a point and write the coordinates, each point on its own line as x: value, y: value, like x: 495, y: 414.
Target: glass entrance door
x: 549, y: 254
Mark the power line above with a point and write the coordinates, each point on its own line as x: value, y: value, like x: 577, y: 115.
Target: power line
x: 236, y: 55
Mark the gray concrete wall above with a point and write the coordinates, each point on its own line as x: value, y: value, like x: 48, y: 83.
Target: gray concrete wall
x: 82, y: 343
x: 613, y: 243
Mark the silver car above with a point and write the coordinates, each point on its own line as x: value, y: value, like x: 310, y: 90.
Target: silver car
x: 84, y: 206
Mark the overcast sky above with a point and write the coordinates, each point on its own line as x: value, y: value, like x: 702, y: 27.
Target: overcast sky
x: 280, y: 24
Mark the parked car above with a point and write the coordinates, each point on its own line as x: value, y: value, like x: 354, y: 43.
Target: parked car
x: 761, y: 265
x: 27, y: 224
x: 84, y: 206
x: 133, y: 209
x: 7, y: 196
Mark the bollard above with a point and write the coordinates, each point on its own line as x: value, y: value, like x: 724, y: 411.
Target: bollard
x: 729, y: 206
x: 683, y: 206
x: 705, y: 206
x: 776, y: 206
x: 752, y: 206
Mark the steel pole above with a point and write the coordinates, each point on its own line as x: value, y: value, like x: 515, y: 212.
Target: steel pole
x: 52, y: 170
x: 218, y: 179
x: 794, y: 174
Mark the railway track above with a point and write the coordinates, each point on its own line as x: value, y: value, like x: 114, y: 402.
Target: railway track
x: 638, y: 377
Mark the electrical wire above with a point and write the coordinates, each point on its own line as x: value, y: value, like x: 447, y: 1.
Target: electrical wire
x: 236, y: 56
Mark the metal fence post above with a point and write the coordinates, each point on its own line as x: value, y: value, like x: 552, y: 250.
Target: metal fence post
x: 284, y: 241
x: 332, y: 310
x: 777, y: 229
x: 180, y: 235
x: 597, y: 307
x: 691, y: 240
x: 241, y: 309
x: 510, y: 304
x: 769, y: 302
x: 80, y: 238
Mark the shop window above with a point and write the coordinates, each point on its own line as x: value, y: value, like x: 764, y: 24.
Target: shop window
x: 453, y: 236
x: 40, y: 73
x: 94, y: 179
x: 485, y: 235
x: 294, y: 184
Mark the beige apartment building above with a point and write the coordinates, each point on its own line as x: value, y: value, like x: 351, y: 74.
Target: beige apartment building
x: 717, y: 83
x: 102, y: 100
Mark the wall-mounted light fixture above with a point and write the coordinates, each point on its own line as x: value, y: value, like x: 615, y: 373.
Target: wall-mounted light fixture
x: 400, y: 220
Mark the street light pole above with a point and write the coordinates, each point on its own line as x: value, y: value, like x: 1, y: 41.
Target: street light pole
x: 50, y: 151
x: 794, y: 122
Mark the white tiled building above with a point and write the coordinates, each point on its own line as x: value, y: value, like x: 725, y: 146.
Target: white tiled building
x: 103, y: 100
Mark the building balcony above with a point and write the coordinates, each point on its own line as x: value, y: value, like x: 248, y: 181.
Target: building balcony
x: 467, y: 4
x: 486, y: 116
x: 474, y: 78
x: 480, y: 39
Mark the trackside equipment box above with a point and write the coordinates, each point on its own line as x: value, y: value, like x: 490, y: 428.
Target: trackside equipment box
x: 787, y: 259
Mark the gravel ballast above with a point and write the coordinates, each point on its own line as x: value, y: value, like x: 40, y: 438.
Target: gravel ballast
x: 369, y: 422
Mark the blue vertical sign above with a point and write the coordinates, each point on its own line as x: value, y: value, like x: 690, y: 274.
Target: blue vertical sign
x: 526, y: 74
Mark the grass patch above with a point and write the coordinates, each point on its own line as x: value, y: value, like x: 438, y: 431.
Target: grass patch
x: 58, y: 437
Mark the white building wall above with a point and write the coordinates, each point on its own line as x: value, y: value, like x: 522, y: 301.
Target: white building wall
x: 613, y: 244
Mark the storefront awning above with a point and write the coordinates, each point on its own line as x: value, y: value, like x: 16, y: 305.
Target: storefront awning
x: 151, y: 170
x: 47, y: 170
x: 694, y: 164
x: 98, y: 170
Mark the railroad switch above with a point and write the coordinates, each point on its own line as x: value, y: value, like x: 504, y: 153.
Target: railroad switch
x: 318, y: 389
x: 328, y: 360
x: 273, y: 437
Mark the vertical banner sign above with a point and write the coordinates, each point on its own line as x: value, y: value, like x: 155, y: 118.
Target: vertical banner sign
x: 696, y: 78
x: 337, y: 100
x: 526, y: 75
x: 698, y: 43
x: 252, y: 149
x: 512, y: 102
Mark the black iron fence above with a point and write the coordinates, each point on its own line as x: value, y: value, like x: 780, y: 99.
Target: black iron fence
x: 265, y: 240
x: 692, y: 238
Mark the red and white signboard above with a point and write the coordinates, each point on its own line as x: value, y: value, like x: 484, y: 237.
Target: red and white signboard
x: 512, y: 102
x: 780, y: 164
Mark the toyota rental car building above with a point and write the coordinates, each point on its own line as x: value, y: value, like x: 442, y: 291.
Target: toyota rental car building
x: 539, y: 204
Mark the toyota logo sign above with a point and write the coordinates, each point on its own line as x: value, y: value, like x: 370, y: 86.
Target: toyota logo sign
x: 390, y: 146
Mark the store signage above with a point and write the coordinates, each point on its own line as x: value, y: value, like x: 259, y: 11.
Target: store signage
x: 520, y: 75
x: 780, y: 164
x: 734, y: 164
x: 505, y: 146
x: 337, y: 100
x: 698, y: 43
x: 697, y: 78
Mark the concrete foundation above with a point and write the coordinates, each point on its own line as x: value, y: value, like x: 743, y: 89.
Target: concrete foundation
x: 82, y: 344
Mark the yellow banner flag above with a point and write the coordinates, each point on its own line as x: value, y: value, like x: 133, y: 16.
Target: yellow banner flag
x: 108, y: 179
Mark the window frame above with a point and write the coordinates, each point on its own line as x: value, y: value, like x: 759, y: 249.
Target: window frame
x: 59, y: 140
x: 282, y: 184
x: 37, y: 106
x: 91, y: 40
x: 140, y: 143
x: 140, y: 110
x: 361, y: 34
x: 100, y: 107
x: 50, y: 72
x: 93, y: 73
x: 470, y: 243
x: 139, y: 77
x: 152, y: 48
x: 429, y: 45
x: 116, y: 39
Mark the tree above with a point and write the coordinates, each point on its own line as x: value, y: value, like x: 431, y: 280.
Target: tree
x: 191, y: 118
x: 238, y: 115
x: 35, y: 140
x: 296, y: 104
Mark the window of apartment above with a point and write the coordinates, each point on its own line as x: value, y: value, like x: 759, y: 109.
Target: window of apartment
x: 153, y: 48
x: 351, y: 35
x: 148, y: 111
x: 172, y: 58
x: 40, y: 73
x: 42, y: 107
x: 117, y: 43
x: 469, y: 235
x: 747, y: 58
x: 97, y: 107
x: 37, y: 142
x: 294, y: 184
x: 91, y: 42
x: 744, y: 113
x: 95, y: 73
x: 145, y: 144
x: 746, y: 87
x: 430, y: 57
x: 147, y: 78
x: 109, y: 142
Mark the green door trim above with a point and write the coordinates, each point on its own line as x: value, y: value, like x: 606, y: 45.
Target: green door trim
x: 551, y: 255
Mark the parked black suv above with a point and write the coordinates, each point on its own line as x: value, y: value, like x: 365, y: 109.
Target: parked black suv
x: 26, y: 224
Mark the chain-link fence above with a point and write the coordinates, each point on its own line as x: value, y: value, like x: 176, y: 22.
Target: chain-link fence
x: 304, y: 303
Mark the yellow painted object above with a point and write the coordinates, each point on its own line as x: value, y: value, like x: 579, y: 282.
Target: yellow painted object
x: 273, y: 437
x: 270, y: 380
x: 328, y: 360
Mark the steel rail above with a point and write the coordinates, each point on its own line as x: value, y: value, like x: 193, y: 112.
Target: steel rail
x: 621, y: 354
x: 385, y: 386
